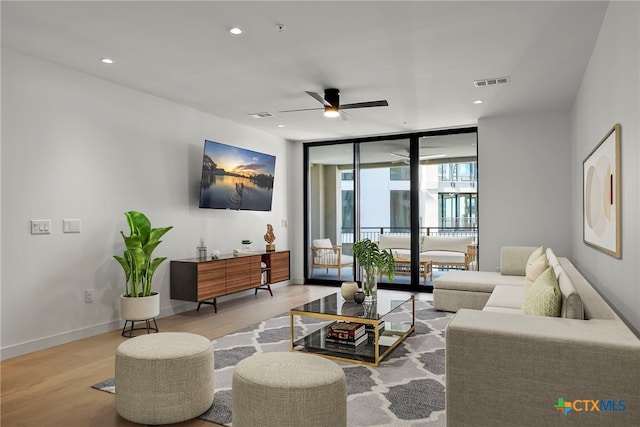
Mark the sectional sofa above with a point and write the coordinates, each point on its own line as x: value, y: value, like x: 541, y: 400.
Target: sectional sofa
x: 505, y: 368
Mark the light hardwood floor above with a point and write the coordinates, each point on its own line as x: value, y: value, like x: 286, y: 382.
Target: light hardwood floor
x: 52, y: 387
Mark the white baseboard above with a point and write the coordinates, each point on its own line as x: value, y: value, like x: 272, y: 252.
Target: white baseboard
x: 78, y: 334
x: 102, y: 328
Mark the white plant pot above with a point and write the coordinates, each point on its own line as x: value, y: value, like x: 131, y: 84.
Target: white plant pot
x: 140, y: 308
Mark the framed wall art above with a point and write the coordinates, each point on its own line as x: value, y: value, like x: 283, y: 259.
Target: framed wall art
x: 602, y: 225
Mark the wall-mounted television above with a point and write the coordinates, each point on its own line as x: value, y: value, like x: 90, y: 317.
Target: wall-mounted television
x: 236, y: 178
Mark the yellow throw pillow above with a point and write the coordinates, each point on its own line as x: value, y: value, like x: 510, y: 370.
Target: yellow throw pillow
x: 536, y: 264
x: 535, y: 255
x: 544, y: 297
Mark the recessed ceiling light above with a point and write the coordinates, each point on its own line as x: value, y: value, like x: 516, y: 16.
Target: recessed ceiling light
x: 280, y: 125
x: 107, y: 61
x: 235, y: 31
x: 478, y: 101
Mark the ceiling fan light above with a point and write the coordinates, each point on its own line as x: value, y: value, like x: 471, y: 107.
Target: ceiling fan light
x: 331, y: 111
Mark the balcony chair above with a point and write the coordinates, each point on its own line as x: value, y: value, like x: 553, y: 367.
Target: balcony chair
x: 325, y: 255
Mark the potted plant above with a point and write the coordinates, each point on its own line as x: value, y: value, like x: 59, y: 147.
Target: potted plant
x: 373, y: 262
x: 139, y: 302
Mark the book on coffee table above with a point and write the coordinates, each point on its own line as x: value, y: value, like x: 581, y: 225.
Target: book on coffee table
x: 346, y: 330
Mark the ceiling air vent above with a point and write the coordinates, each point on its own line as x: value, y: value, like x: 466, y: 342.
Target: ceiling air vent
x: 261, y: 115
x: 491, y: 82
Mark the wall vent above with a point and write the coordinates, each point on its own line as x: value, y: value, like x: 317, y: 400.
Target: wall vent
x: 491, y: 82
x: 261, y: 115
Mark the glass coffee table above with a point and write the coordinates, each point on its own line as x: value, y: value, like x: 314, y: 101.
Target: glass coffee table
x: 387, y: 324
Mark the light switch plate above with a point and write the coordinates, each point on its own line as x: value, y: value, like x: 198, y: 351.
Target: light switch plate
x: 40, y: 226
x: 71, y: 225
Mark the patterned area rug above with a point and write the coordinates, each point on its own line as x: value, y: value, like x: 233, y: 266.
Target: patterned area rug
x: 407, y: 389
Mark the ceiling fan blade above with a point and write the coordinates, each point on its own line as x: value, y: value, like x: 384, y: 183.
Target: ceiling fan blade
x: 303, y: 109
x: 402, y: 156
x: 318, y: 98
x: 344, y: 116
x: 380, y: 103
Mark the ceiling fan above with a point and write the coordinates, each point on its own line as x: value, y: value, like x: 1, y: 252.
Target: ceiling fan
x: 332, y: 107
x: 405, y: 157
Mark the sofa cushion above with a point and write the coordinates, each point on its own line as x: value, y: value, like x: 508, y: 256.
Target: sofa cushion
x: 323, y: 243
x: 394, y: 241
x: 332, y: 259
x: 477, y: 281
x: 513, y: 259
x: 503, y: 310
x: 553, y: 260
x: 443, y: 257
x: 543, y: 298
x: 446, y: 243
x: 399, y: 253
x: 572, y: 307
x: 507, y: 297
x: 534, y: 268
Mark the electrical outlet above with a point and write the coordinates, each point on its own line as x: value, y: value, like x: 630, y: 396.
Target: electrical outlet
x: 88, y: 296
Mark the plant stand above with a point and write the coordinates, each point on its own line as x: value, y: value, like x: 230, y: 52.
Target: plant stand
x: 128, y: 333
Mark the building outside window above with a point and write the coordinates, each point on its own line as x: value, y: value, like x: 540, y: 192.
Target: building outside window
x: 399, y: 174
x: 400, y: 213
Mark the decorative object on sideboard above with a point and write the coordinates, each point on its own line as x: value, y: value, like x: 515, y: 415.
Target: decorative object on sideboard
x: 358, y: 296
x: 201, y: 251
x: 215, y: 254
x: 348, y: 289
x: 269, y: 237
x: 245, y: 249
x: 139, y: 267
x: 373, y: 262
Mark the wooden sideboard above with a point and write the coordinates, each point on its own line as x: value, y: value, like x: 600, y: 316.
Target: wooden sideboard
x: 201, y: 281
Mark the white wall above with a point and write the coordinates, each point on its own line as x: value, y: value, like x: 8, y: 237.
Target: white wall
x: 609, y: 94
x: 524, y: 184
x: 295, y: 174
x: 74, y: 146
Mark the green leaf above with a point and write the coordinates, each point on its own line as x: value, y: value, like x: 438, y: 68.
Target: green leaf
x: 139, y: 225
x: 157, y: 233
x: 150, y: 247
x: 132, y: 242
x: 136, y: 261
x: 370, y: 258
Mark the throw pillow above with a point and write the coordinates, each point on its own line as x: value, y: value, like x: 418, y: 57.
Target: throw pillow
x: 544, y: 297
x: 535, y: 255
x: 536, y: 264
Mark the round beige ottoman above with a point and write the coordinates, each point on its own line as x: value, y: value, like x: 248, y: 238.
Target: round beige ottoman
x: 288, y: 390
x: 164, y: 378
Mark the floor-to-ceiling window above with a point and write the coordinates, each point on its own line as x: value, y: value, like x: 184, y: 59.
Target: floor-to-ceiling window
x: 404, y: 185
x: 330, y: 217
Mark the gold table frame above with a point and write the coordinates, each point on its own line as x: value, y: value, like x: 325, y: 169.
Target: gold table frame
x: 372, y: 353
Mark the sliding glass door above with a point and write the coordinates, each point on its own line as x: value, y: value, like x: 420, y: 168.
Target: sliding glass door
x: 385, y: 201
x: 330, y: 212
x: 392, y: 190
